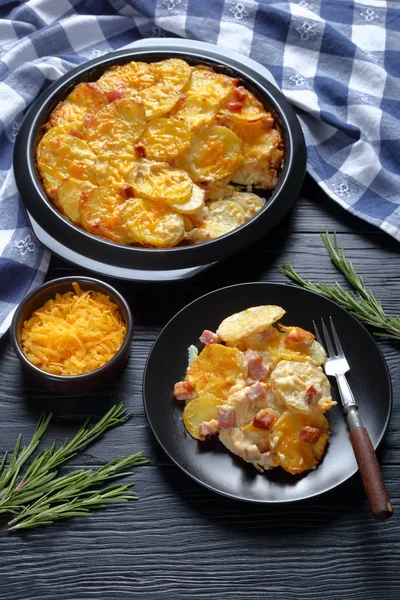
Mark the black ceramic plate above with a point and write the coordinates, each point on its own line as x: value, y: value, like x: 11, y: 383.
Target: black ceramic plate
x: 209, y: 463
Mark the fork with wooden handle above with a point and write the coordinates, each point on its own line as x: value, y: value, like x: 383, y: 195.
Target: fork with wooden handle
x: 337, y: 365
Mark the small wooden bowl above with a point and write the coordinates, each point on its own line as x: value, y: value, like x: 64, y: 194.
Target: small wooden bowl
x: 71, y: 384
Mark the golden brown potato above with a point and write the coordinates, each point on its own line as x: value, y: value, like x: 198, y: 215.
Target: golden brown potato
x: 204, y: 408
x: 68, y: 196
x: 85, y: 98
x: 130, y: 78
x: 295, y: 455
x: 123, y: 119
x: 62, y: 157
x: 172, y: 73
x: 214, y: 86
x: 152, y: 224
x: 100, y: 214
x: 160, y: 181
x: 242, y: 107
x: 215, y: 153
x: 113, y: 164
x: 216, y: 370
x: 251, y: 320
x: 195, y: 110
x: 191, y: 206
x: 158, y: 101
x: 165, y: 139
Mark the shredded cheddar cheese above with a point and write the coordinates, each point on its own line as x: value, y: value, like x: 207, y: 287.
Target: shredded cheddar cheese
x: 74, y: 333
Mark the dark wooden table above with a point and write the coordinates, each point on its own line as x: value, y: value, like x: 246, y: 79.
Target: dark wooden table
x: 180, y: 540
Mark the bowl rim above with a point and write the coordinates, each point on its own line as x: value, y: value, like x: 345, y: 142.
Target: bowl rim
x: 44, y: 212
x: 109, y: 289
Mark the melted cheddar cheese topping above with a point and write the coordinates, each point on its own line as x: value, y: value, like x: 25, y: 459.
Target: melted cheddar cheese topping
x: 166, y: 133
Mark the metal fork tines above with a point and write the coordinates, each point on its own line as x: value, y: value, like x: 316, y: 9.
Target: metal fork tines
x: 336, y: 363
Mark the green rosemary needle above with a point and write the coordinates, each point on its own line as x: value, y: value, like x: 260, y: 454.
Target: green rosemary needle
x: 57, y: 489
x: 79, y: 506
x: 362, y: 303
x: 75, y: 485
x: 10, y: 474
x: 44, y: 466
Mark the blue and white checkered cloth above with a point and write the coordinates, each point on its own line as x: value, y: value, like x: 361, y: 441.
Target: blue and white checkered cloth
x: 337, y: 61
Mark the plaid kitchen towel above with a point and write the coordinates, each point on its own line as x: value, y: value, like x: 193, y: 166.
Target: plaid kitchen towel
x: 337, y: 61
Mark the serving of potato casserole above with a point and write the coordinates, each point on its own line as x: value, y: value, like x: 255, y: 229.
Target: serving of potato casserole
x: 259, y: 386
x: 159, y: 154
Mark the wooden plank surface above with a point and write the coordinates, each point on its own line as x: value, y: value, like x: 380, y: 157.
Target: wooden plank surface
x: 180, y: 540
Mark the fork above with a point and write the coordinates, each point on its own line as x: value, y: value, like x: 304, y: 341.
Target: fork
x: 336, y: 365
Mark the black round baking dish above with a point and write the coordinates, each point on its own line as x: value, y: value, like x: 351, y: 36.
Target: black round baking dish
x: 76, y: 245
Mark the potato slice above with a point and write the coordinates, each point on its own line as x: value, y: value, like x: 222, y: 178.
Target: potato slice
x: 123, y: 119
x: 251, y: 320
x: 317, y: 353
x: 62, y: 157
x: 215, y: 153
x: 252, y: 109
x: 291, y: 379
x: 68, y: 196
x: 100, y: 213
x: 85, y: 98
x: 196, y: 110
x: 195, y: 202
x: 165, y: 139
x: 262, y: 157
x: 113, y: 164
x: 131, y: 77
x: 173, y: 72
x: 158, y: 101
x: 250, y: 203
x: 159, y: 181
x: 208, y: 230
x: 216, y: 370
x: 226, y: 212
x: 294, y: 455
x: 214, y: 86
x: 152, y: 224
x: 204, y: 408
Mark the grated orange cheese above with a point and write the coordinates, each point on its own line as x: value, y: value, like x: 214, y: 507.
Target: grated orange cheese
x: 74, y: 333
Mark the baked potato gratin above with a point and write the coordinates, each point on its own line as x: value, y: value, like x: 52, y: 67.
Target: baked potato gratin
x: 260, y: 387
x: 149, y: 154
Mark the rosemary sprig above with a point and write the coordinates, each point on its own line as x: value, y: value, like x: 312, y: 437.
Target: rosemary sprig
x: 362, y: 303
x: 74, y: 486
x: 19, y: 457
x: 77, y: 507
x: 71, y: 485
x: 43, y: 468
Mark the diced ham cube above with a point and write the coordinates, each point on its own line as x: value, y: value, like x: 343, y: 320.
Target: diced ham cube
x: 76, y: 134
x: 140, y: 151
x: 255, y: 367
x: 207, y: 428
x: 209, y: 337
x: 115, y: 95
x: 256, y: 392
x: 309, y: 434
x: 127, y: 191
x: 263, y: 419
x: 234, y: 106
x: 267, y: 122
x: 312, y: 395
x: 240, y: 94
x: 183, y: 390
x: 251, y: 453
x: 226, y: 416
